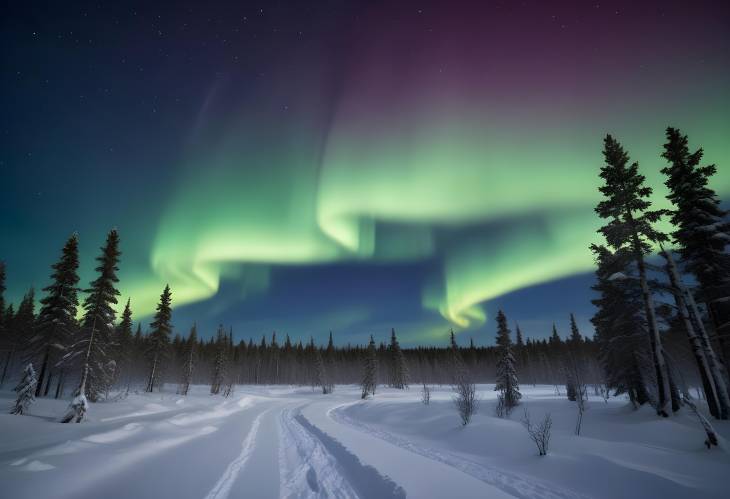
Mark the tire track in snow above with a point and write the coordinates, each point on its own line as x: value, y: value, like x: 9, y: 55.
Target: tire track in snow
x: 223, y: 487
x: 313, y: 464
x: 300, y: 457
x: 510, y: 483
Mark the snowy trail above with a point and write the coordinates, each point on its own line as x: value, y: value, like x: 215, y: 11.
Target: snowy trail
x: 518, y: 486
x: 313, y: 464
x: 306, y: 469
x: 223, y: 487
x: 418, y: 475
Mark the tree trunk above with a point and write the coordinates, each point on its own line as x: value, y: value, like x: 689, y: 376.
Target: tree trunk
x: 151, y: 381
x: 48, y: 383
x: 42, y: 374
x: 59, y: 385
x: 660, y: 365
x: 712, y: 396
x: 8, y: 359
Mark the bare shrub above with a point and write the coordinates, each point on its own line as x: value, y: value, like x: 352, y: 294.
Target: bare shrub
x: 465, y: 399
x: 540, y: 432
x: 425, y: 394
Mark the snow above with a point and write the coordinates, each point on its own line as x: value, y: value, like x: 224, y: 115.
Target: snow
x: 293, y: 442
x: 617, y: 276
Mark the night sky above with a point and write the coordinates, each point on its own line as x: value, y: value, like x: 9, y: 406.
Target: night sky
x: 312, y: 165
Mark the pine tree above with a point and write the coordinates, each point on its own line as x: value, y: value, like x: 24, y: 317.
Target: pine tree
x: 506, y: 383
x: 630, y: 227
x: 93, y: 345
x: 702, y: 229
x: 619, y: 324
x: 190, y: 357
x: 7, y: 340
x: 571, y: 364
x: 458, y: 368
x: 370, y: 370
x: 219, y: 365
x: 520, y: 344
x: 575, y: 339
x: 321, y: 378
x: 522, y: 353
x: 229, y: 378
x: 20, y: 328
x: 2, y: 303
x: 554, y: 339
x: 125, y: 343
x: 26, y: 391
x: 159, y: 338
x: 399, y: 369
x: 56, y: 322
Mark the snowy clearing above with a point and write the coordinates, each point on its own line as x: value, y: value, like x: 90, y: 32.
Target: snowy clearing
x: 295, y: 443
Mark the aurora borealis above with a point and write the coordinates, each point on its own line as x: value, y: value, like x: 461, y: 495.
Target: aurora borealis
x: 351, y: 166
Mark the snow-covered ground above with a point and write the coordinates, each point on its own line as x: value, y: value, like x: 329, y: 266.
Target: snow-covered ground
x: 291, y: 442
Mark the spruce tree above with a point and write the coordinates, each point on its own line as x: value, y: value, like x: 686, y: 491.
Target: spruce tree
x: 2, y: 303
x: 20, y: 329
x: 630, y: 227
x: 321, y: 377
x: 702, y: 228
x: 26, y: 391
x: 506, y: 382
x: 4, y: 334
x: 190, y: 357
x: 159, y: 338
x: 125, y: 343
x: 92, y: 347
x: 370, y: 370
x: 7, y: 340
x: 619, y: 324
x: 219, y: 364
x: 575, y: 339
x: 458, y: 368
x: 56, y: 322
x: 399, y: 369
x: 571, y: 364
x: 554, y: 339
x: 519, y: 343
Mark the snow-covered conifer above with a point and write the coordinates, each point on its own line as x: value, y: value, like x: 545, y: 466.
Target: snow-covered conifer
x: 159, y: 338
x: 370, y: 370
x: 20, y: 327
x: 398, y: 367
x: 220, y: 362
x: 26, y: 391
x: 190, y: 356
x: 627, y: 206
x: 125, y: 344
x: 93, y: 346
x: 506, y: 382
x: 56, y: 322
x: 321, y: 377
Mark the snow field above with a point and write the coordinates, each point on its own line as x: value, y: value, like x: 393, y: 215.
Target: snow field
x: 295, y: 443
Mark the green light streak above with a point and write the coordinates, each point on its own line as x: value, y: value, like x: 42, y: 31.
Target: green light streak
x: 382, y: 196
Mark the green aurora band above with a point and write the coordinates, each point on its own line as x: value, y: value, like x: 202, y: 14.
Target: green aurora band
x: 391, y: 198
